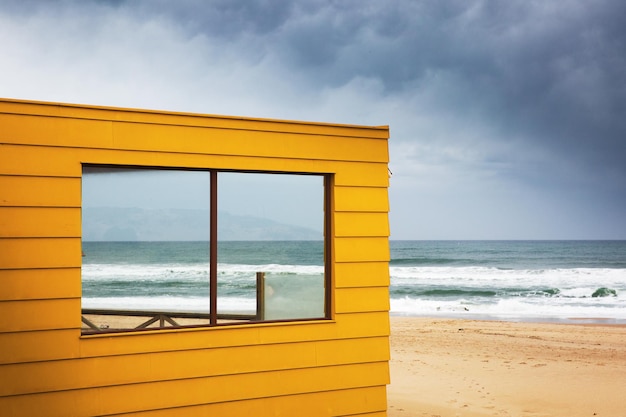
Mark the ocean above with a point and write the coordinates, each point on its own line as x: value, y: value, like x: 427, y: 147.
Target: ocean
x: 502, y: 280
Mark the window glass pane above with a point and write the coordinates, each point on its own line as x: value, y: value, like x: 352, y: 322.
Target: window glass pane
x: 271, y: 249
x: 145, y: 248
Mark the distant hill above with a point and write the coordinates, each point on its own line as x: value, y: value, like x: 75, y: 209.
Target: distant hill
x: 136, y: 224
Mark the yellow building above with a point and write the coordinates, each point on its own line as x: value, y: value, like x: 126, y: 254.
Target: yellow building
x: 58, y: 358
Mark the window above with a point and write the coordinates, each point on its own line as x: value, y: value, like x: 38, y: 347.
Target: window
x: 165, y: 247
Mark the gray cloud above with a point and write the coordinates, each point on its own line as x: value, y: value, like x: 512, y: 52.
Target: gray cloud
x: 508, y: 114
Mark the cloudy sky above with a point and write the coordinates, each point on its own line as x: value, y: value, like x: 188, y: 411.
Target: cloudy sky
x: 507, y: 118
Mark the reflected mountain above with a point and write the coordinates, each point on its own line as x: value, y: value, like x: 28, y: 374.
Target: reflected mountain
x: 138, y: 224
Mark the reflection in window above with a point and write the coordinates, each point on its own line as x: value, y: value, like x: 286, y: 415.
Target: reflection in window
x: 286, y: 258
x: 147, y: 248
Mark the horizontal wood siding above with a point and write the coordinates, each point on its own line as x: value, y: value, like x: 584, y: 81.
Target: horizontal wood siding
x: 39, y: 222
x: 362, y: 249
x: 18, y: 316
x: 335, y: 367
x: 77, y: 133
x: 362, y: 274
x: 167, y: 366
x: 34, y: 161
x: 201, y: 396
x: 65, y: 344
x: 180, y: 393
x: 361, y: 224
x: 347, y: 326
x: 40, y: 161
x: 353, y: 402
x: 20, y: 191
x: 73, y: 111
x: 39, y: 346
x: 351, y: 300
x: 361, y: 199
x: 34, y: 253
x: 40, y: 284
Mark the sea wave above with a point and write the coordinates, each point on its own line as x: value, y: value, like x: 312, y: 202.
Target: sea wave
x: 414, y: 290
x: 511, y: 308
x: 502, y: 278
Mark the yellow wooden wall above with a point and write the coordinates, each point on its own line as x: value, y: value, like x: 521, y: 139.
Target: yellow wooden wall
x: 336, y: 367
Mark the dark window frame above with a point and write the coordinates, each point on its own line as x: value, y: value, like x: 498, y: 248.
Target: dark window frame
x: 328, y: 186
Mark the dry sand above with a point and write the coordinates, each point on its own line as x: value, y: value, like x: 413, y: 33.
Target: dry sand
x: 470, y: 368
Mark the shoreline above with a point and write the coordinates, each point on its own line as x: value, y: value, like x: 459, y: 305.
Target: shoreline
x: 610, y: 321
x: 475, y: 368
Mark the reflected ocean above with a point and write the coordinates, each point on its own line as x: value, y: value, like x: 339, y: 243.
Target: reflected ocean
x: 507, y: 280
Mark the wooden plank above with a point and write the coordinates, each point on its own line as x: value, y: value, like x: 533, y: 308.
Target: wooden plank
x: 350, y: 402
x: 39, y: 191
x: 41, y: 161
x: 180, y: 393
x: 361, y: 174
x: 82, y: 133
x: 367, y: 199
x: 29, y: 378
x: 31, y: 253
x: 346, y: 326
x: 246, y: 143
x: 26, y: 160
x: 352, y: 300
x: 341, y: 351
x: 39, y: 222
x: 352, y: 325
x: 35, y: 284
x: 17, y: 316
x: 64, y: 344
x: 55, y: 131
x: 34, y: 346
x: 357, y: 224
x: 81, y: 111
x: 361, y: 249
x: 361, y: 274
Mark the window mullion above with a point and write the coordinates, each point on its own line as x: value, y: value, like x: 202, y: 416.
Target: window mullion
x: 213, y: 251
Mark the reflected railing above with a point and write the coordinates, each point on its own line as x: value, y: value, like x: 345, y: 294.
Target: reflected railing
x: 299, y: 297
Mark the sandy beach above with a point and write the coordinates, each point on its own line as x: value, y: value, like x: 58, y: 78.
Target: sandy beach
x: 448, y: 368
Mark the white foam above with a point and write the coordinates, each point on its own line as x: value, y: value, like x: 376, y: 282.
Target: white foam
x: 510, y: 278
x: 558, y: 307
x: 166, y: 303
x: 142, y: 272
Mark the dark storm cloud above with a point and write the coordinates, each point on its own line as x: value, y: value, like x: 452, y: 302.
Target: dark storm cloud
x: 551, y: 73
x: 546, y: 74
x: 224, y: 19
x: 483, y: 97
